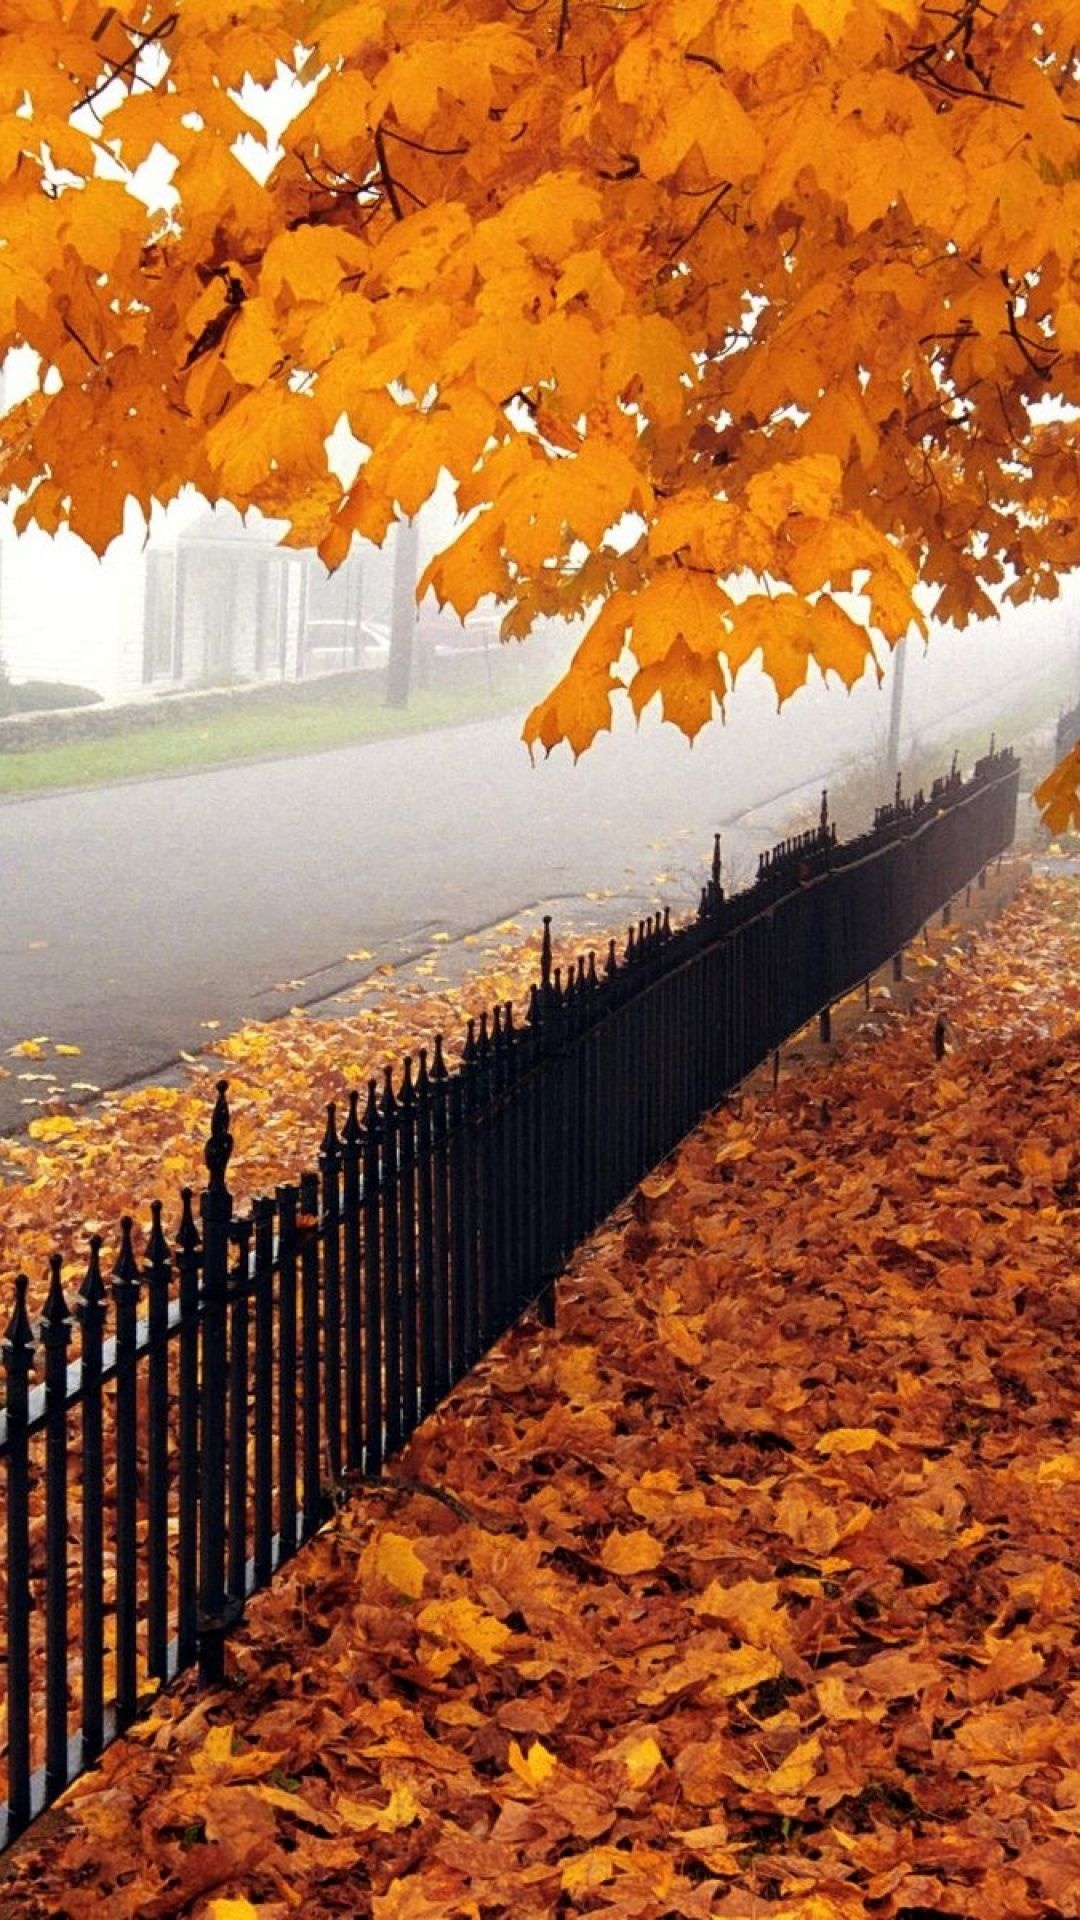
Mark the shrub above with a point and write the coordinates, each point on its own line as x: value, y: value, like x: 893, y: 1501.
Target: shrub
x: 44, y: 696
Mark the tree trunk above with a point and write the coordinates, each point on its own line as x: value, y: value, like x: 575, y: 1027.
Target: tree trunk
x: 402, y: 615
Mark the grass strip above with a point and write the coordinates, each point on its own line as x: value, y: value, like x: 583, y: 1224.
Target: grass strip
x: 259, y: 731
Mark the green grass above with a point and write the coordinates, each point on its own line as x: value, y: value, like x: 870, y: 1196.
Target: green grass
x: 262, y: 730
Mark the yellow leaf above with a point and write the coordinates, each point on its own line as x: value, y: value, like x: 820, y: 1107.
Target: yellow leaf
x: 852, y: 1440
x: 67, y: 1052
x: 753, y: 1610
x: 629, y: 1553
x: 1058, y: 1471
x: 393, y: 1557
x: 52, y: 1126
x: 593, y: 1868
x: 264, y: 432
x: 711, y: 1844
x: 225, y: 1909
x: 465, y: 1625
x: 402, y: 1810
x: 810, y: 484
x: 252, y: 349
x: 1058, y: 797
x: 534, y: 1767
x: 739, y: 1671
x: 794, y: 1774
x: 641, y: 1760
x: 218, y: 1745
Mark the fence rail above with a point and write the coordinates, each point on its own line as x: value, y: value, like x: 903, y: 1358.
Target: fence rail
x: 257, y: 1363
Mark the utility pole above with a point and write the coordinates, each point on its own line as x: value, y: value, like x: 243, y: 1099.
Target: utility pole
x: 892, y: 751
x: 402, y: 614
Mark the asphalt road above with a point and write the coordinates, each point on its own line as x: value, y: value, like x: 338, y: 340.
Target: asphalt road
x: 132, y: 915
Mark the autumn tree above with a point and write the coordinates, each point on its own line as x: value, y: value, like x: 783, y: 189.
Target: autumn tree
x: 716, y: 313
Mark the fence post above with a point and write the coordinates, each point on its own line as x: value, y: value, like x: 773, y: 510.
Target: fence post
x: 410, y: 1332
x: 55, y: 1338
x: 91, y: 1310
x: 125, y: 1293
x: 330, y: 1200
x: 188, y: 1261
x: 18, y: 1358
x: 158, y: 1271
x: 215, y: 1210
x: 549, y: 1119
x: 351, y: 1150
x: 373, y: 1314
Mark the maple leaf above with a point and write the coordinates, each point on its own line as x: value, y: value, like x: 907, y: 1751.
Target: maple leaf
x: 629, y: 1553
x: 1059, y: 794
x: 392, y: 1557
x: 467, y: 1626
x: 536, y: 1767
x: 780, y: 289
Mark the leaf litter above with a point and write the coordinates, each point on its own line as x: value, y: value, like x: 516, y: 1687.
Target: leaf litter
x: 749, y: 1592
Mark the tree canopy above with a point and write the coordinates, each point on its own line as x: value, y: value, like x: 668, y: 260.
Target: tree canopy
x: 715, y: 312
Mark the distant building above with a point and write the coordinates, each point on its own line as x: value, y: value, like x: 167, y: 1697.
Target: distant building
x: 225, y: 602
x: 209, y: 599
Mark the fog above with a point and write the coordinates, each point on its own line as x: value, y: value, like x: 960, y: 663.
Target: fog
x: 135, y: 914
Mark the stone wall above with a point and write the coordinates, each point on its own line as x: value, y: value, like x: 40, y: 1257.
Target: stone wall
x: 24, y: 732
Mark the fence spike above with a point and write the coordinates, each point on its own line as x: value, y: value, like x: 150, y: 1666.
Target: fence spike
x: 439, y: 1070
x: 469, y: 1050
x: 667, y: 923
x: 407, y: 1096
x: 545, y: 953
x: 126, y: 1271
x: 187, y: 1234
x: 55, y: 1314
x: 508, y: 1020
x: 18, y: 1342
x: 371, y: 1110
x: 824, y: 813
x: 218, y: 1150
x: 611, y: 964
x: 388, y: 1105
x: 330, y: 1146
x: 423, y: 1077
x: 350, y: 1132
x: 593, y: 976
x: 717, y: 861
x: 92, y: 1296
x: 483, y: 1043
x: 157, y: 1247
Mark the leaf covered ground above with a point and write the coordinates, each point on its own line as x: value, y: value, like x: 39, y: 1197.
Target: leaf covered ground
x: 749, y: 1591
x: 77, y: 1170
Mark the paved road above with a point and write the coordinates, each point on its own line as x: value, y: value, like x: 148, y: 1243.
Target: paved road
x: 131, y: 915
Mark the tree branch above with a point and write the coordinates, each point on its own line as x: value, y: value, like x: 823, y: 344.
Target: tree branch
x: 387, y: 177
x: 128, y: 65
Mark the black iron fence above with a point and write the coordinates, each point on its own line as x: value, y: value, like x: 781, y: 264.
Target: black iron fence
x: 255, y: 1364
